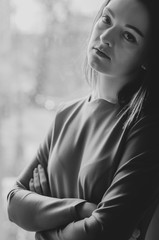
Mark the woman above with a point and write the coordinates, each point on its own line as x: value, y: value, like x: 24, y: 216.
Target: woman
x: 96, y: 174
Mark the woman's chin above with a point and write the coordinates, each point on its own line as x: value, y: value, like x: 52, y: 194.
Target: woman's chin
x: 97, y: 67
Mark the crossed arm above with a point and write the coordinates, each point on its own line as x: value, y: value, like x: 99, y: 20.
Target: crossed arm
x: 37, y: 212
x: 33, y: 211
x: 39, y: 185
x: 40, y: 213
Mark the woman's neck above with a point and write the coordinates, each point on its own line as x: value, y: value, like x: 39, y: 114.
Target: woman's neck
x: 108, y: 87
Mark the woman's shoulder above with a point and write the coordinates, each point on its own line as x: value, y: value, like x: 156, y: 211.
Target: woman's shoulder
x: 66, y: 107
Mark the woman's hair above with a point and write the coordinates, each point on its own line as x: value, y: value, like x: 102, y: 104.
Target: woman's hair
x: 141, y: 95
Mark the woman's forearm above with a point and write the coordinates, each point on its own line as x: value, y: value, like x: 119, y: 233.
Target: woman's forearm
x: 86, y: 229
x: 35, y: 212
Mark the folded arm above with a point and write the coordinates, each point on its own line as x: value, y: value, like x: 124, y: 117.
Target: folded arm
x: 35, y: 212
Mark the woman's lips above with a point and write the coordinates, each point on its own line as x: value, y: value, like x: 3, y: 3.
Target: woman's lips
x: 101, y: 53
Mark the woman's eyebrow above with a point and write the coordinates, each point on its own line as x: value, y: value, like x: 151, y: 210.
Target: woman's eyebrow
x: 127, y: 25
x: 110, y: 11
x: 135, y: 29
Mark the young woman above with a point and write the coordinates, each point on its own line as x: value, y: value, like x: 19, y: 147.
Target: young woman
x: 96, y: 174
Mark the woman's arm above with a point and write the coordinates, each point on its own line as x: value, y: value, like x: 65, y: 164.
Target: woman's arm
x: 132, y: 193
x: 51, y: 235
x: 39, y: 184
x: 35, y: 212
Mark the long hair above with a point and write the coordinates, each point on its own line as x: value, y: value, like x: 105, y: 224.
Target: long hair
x: 140, y: 96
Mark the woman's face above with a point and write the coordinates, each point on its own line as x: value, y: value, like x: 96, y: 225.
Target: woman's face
x: 118, y: 43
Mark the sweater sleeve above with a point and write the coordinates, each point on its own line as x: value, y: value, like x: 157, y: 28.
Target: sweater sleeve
x: 35, y: 212
x: 130, y: 196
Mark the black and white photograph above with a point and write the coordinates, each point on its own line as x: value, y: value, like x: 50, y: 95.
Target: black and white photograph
x: 79, y: 122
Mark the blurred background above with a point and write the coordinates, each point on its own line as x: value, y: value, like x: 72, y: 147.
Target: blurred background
x: 42, y: 49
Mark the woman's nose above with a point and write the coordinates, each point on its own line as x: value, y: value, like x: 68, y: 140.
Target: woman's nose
x: 107, y: 37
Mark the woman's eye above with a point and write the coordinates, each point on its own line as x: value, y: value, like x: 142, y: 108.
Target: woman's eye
x: 129, y: 37
x: 106, y: 19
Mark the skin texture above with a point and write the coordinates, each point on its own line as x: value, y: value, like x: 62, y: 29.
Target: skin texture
x: 124, y: 46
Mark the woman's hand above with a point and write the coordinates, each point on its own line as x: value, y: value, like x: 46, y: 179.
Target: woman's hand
x: 135, y: 235
x: 39, y: 182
